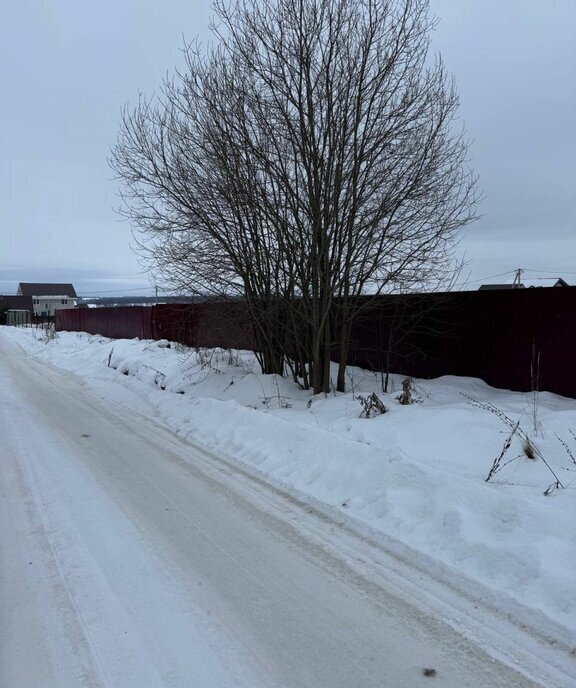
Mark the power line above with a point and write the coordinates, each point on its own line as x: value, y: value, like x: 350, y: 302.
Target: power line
x: 501, y: 274
x: 515, y: 272
x: 552, y: 272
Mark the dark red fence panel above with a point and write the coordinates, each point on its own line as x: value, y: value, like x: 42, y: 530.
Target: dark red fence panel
x: 493, y: 335
x: 125, y: 322
x: 209, y: 324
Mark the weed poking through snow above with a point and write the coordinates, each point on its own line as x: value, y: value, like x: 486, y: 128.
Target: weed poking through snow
x: 529, y: 449
x: 409, y: 394
x: 372, y: 406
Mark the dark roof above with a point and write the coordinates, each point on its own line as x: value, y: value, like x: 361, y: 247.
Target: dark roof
x: 20, y: 303
x: 538, y: 282
x: 487, y: 287
x: 39, y: 289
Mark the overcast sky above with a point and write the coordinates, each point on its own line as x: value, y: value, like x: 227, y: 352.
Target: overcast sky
x: 67, y: 67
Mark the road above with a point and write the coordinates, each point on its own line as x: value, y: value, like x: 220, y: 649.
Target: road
x: 131, y: 558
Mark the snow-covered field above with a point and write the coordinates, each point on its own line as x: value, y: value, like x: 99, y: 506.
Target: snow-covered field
x: 414, y: 476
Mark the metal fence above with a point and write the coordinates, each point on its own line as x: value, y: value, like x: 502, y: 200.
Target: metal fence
x: 125, y: 322
x: 507, y: 338
x: 17, y: 318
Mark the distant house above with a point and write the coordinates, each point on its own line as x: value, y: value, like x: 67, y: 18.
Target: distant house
x: 493, y: 287
x: 527, y: 284
x: 15, y: 310
x: 48, y: 298
x: 545, y: 282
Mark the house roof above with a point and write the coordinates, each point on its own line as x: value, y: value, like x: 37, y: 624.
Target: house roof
x: 537, y: 282
x: 546, y: 282
x: 21, y: 303
x: 40, y: 289
x: 488, y: 287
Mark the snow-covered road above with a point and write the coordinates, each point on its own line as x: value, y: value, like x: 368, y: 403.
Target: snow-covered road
x: 130, y: 558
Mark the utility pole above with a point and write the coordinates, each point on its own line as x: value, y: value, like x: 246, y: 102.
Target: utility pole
x: 518, y: 279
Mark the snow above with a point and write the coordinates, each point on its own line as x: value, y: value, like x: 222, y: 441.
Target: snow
x: 414, y: 475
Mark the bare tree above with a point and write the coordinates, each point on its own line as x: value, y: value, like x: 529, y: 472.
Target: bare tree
x: 189, y: 188
x: 310, y: 157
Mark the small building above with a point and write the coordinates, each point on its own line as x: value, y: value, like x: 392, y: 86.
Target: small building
x: 17, y: 318
x: 15, y: 309
x: 48, y: 298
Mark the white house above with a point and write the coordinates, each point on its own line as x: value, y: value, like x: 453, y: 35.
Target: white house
x: 48, y: 298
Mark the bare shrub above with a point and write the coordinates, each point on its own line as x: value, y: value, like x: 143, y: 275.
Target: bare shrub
x: 567, y: 448
x: 409, y: 394
x: 497, y: 465
x: 535, y: 391
x: 529, y: 449
x: 372, y: 406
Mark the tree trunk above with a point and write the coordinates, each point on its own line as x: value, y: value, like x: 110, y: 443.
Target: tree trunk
x: 345, y: 332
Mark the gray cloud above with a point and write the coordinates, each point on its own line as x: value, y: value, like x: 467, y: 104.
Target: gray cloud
x: 66, y: 69
x: 515, y: 67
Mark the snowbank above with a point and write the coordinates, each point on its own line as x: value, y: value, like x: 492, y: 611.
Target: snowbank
x: 415, y: 474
